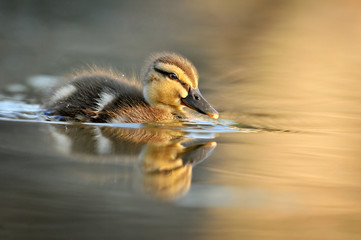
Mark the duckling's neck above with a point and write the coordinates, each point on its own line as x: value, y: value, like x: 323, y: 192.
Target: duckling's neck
x: 169, y: 110
x: 158, y: 102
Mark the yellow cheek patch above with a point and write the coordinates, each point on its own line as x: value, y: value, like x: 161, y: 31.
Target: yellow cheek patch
x: 183, y: 93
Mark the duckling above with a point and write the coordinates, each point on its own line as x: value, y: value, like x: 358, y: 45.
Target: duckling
x: 170, y: 84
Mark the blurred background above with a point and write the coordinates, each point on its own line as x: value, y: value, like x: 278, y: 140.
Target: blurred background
x: 288, y: 68
x: 294, y: 55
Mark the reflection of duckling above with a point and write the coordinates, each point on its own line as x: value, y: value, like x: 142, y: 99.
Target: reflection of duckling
x: 167, y: 170
x: 170, y: 83
x: 165, y: 156
x: 93, y: 142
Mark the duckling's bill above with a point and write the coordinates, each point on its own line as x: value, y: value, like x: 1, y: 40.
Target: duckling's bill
x: 197, y: 102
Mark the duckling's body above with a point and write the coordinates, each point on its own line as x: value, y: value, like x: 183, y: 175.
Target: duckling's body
x: 100, y: 96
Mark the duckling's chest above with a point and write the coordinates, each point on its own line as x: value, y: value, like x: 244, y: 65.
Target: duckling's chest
x: 135, y: 113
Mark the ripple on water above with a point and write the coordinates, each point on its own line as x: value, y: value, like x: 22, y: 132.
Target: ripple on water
x: 11, y: 109
x: 14, y: 110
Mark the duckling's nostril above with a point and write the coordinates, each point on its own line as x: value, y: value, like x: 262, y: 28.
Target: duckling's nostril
x: 196, y: 97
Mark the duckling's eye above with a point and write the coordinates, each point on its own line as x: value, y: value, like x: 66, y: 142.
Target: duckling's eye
x: 173, y: 76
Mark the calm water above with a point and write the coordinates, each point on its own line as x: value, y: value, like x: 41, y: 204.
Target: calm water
x: 282, y: 163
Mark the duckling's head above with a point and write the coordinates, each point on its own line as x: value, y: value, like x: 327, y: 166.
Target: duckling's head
x: 171, y: 82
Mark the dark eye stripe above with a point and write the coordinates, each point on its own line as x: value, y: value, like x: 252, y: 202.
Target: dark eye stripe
x: 185, y: 85
x: 161, y: 71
